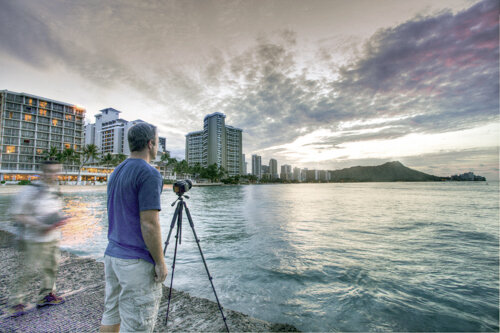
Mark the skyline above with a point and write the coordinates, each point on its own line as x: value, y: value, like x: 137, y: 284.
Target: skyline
x: 322, y: 84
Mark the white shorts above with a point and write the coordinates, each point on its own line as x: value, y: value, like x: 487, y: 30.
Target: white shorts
x: 132, y: 297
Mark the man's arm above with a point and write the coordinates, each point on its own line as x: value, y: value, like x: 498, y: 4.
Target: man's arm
x: 151, y: 232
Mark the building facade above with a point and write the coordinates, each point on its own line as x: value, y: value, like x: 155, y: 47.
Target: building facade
x: 257, y: 166
x: 296, y: 174
x: 218, y: 144
x: 194, y: 148
x: 273, y: 168
x: 286, y: 172
x: 109, y: 133
x: 30, y: 126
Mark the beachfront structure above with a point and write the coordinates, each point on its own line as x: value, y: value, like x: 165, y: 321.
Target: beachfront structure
x: 109, y: 133
x: 244, y: 164
x: 296, y: 174
x: 217, y: 143
x: 273, y: 168
x: 286, y: 172
x: 194, y: 148
x: 257, y: 166
x: 30, y: 126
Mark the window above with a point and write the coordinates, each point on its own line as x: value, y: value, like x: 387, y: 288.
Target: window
x: 54, y: 122
x: 69, y: 117
x: 27, y: 134
x: 43, y: 128
x: 67, y: 146
x: 10, y: 149
x: 43, y: 104
x: 28, y: 117
x: 43, y: 120
x: 39, y: 151
x: 42, y: 112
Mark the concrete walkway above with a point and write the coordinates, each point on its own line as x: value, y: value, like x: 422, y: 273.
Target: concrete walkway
x: 80, y: 281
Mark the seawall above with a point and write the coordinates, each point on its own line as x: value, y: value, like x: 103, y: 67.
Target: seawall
x: 81, y: 282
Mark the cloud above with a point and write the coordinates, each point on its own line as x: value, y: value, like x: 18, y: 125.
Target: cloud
x: 437, y: 74
x: 431, y: 74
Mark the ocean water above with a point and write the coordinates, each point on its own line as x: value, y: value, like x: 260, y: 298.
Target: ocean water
x: 331, y: 257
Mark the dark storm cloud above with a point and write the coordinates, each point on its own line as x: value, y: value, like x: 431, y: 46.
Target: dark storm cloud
x: 441, y: 70
x: 28, y: 34
x: 427, y: 75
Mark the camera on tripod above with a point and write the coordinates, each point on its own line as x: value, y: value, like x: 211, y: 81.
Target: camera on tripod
x: 182, y: 186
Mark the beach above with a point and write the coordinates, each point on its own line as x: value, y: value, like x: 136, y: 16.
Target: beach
x: 81, y: 282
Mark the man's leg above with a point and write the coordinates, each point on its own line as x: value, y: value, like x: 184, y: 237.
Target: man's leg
x: 111, y: 317
x: 49, y: 255
x: 24, y: 274
x: 140, y: 296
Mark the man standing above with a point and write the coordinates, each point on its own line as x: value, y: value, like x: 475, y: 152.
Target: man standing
x: 37, y: 210
x: 133, y: 261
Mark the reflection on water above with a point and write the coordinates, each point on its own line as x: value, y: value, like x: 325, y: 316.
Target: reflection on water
x: 331, y: 257
x: 85, y: 225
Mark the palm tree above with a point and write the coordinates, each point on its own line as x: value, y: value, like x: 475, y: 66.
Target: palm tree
x: 89, y: 152
x: 68, y: 157
x: 119, y: 158
x: 107, y: 160
x: 52, y: 154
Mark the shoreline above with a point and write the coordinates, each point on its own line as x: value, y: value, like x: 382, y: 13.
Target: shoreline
x: 81, y: 282
x: 12, y: 189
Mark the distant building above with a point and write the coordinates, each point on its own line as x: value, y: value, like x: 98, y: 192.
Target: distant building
x: 273, y: 168
x: 303, y: 175
x: 244, y: 164
x: 30, y: 126
x: 296, y: 174
x: 257, y: 166
x: 264, y: 172
x: 286, y: 172
x: 468, y: 176
x: 218, y: 144
x: 323, y: 175
x: 312, y: 175
x: 109, y: 133
x: 194, y: 148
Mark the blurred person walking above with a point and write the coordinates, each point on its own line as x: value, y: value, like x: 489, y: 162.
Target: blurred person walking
x: 37, y: 211
x: 133, y: 262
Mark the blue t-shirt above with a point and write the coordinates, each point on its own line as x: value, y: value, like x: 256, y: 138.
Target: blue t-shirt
x: 134, y: 186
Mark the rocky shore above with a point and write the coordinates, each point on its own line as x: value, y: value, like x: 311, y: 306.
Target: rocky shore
x: 81, y: 282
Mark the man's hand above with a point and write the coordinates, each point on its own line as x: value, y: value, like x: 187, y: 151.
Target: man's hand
x: 160, y: 272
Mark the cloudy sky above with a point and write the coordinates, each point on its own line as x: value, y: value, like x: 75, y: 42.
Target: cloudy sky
x: 319, y: 84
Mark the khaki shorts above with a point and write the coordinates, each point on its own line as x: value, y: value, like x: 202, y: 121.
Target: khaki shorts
x: 132, y: 296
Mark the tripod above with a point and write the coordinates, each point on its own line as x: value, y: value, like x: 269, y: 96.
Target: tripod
x: 178, y: 218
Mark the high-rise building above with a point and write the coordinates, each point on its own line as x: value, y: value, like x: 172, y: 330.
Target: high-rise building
x: 296, y: 174
x: 286, y: 172
x: 31, y: 126
x: 256, y: 166
x: 109, y: 133
x: 194, y: 148
x: 273, y: 168
x: 234, y: 163
x: 244, y: 164
x: 217, y: 144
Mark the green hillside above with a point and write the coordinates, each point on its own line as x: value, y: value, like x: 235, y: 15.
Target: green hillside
x: 388, y: 172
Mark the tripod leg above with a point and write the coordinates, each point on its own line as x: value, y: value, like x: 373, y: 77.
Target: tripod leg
x: 177, y: 209
x: 205, y: 263
x: 173, y: 271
